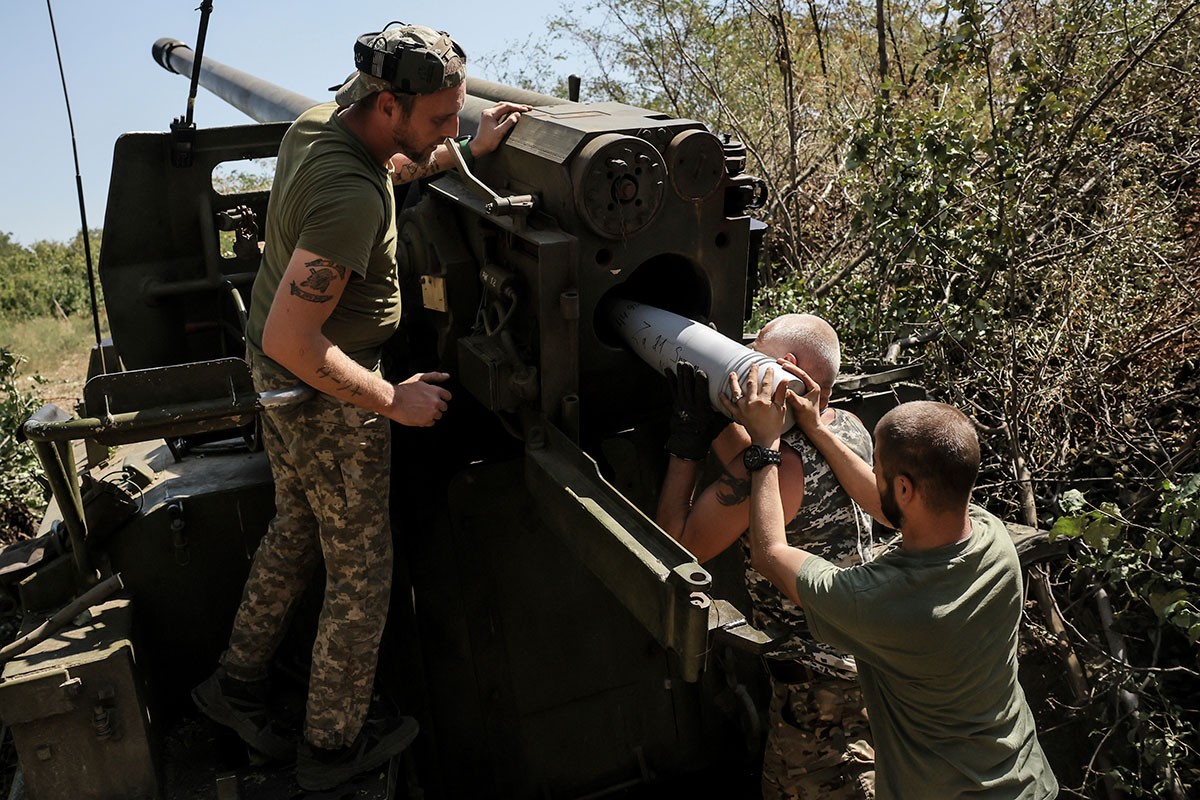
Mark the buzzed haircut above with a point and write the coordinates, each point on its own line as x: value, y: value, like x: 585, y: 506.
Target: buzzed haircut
x: 810, y: 339
x: 936, y: 446
x: 405, y: 101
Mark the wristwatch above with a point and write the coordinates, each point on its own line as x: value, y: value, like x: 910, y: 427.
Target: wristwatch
x: 756, y: 457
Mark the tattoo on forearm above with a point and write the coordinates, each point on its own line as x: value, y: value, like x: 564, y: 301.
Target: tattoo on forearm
x: 414, y: 171
x: 328, y: 374
x: 732, y: 490
x: 347, y: 385
x: 321, y: 273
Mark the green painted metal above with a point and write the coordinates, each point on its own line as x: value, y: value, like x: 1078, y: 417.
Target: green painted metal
x: 553, y: 641
x: 653, y: 576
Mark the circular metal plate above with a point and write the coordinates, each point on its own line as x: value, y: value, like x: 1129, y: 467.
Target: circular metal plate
x: 696, y: 164
x: 619, y: 184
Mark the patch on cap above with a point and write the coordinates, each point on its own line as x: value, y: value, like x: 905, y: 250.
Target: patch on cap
x: 408, y: 59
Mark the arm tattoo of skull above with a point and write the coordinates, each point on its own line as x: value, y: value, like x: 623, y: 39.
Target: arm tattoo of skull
x: 321, y: 272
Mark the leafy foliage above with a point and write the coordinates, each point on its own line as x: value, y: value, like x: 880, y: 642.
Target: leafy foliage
x: 245, y: 176
x: 1023, y: 178
x: 1154, y: 575
x: 1158, y: 565
x: 1032, y: 235
x: 20, y: 485
x: 47, y: 278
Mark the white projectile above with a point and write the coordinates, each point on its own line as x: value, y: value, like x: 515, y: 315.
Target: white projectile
x: 663, y: 339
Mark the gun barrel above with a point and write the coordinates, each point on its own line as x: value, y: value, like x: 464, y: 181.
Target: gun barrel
x: 264, y: 101
x: 496, y: 92
x: 258, y: 99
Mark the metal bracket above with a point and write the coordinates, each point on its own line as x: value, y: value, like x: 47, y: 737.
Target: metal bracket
x: 727, y: 625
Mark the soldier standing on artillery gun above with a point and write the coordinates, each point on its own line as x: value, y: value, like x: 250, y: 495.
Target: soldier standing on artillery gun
x: 325, y: 300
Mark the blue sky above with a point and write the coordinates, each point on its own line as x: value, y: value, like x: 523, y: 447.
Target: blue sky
x: 115, y: 86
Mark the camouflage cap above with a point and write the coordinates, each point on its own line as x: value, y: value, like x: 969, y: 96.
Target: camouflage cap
x: 409, y: 59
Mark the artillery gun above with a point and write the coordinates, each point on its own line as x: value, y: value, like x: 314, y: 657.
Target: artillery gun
x: 550, y: 638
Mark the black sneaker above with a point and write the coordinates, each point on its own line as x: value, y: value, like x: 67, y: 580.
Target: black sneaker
x: 378, y: 742
x: 245, y: 714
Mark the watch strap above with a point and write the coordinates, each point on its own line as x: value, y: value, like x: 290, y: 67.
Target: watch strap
x: 756, y: 457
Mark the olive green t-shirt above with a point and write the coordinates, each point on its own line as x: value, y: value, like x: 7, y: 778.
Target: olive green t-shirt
x: 332, y: 198
x: 934, y: 633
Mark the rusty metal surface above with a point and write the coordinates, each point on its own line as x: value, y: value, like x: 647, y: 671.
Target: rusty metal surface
x: 77, y: 712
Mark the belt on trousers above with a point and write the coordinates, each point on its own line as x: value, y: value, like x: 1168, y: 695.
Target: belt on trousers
x: 800, y: 667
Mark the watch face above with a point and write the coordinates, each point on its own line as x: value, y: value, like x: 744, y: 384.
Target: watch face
x: 756, y: 457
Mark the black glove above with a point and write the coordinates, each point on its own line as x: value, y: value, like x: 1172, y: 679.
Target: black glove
x: 694, y: 422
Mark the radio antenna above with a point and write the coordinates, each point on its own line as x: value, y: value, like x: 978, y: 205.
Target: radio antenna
x: 86, y: 234
x: 183, y: 129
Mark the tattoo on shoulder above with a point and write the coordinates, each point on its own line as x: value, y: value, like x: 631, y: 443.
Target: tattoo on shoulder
x: 325, y: 264
x: 321, y: 273
x: 309, y: 296
x: 732, y: 490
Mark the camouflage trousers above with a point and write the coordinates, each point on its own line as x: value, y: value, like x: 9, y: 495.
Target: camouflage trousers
x: 819, y: 742
x: 331, y: 464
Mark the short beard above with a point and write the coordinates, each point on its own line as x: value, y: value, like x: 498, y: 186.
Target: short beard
x: 887, y: 504
x: 430, y: 162
x: 420, y: 159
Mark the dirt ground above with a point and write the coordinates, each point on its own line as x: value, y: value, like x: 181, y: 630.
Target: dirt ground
x: 62, y: 383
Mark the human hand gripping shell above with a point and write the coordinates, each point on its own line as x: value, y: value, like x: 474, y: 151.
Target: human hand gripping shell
x: 760, y: 410
x: 807, y: 408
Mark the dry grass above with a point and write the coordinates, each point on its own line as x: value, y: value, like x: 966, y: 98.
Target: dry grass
x: 55, y: 351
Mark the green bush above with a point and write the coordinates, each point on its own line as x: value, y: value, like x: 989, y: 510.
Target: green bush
x: 1022, y: 178
x: 21, y: 491
x: 45, y: 279
x: 1153, y: 584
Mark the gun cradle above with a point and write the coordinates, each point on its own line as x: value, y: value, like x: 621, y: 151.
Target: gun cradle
x: 519, y: 312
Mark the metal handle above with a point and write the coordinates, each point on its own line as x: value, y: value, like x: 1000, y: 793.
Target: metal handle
x: 52, y: 424
x: 494, y: 204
